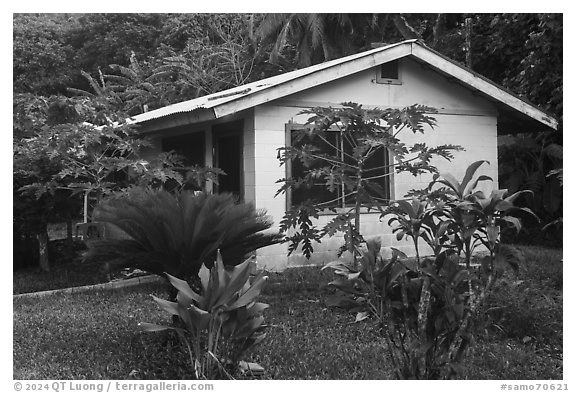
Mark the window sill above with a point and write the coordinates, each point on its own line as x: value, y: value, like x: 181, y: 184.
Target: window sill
x: 342, y: 210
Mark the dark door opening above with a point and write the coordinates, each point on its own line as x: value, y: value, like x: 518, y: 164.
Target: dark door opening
x: 191, y: 147
x: 228, y: 143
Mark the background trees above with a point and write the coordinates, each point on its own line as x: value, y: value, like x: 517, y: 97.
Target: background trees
x: 523, y: 52
x: 66, y: 148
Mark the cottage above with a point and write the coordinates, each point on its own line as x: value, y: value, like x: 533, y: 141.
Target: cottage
x: 239, y: 130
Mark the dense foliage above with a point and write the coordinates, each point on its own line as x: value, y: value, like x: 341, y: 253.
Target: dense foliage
x: 66, y: 148
x: 521, y: 51
x: 426, y: 308
x: 534, y: 163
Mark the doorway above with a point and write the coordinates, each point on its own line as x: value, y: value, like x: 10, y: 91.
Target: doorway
x: 228, y: 143
x: 192, y: 149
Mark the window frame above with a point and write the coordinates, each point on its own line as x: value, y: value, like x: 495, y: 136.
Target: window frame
x: 289, y: 128
x: 389, y: 81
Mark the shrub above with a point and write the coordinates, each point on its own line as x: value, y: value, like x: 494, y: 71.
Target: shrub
x: 534, y: 162
x: 222, y: 322
x: 425, y: 307
x: 176, y: 234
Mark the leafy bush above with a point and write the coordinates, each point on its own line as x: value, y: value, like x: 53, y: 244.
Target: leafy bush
x: 176, y: 234
x: 425, y: 307
x: 222, y: 322
x: 535, y: 162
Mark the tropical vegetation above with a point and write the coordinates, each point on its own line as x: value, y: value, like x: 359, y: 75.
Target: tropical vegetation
x: 221, y: 322
x: 68, y: 336
x: 175, y: 234
x: 354, y: 169
x: 426, y: 307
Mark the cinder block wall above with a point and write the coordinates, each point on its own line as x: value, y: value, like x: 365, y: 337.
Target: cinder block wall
x: 477, y: 134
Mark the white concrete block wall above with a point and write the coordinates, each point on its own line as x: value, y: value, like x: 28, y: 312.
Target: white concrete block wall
x: 477, y: 134
x: 269, y: 136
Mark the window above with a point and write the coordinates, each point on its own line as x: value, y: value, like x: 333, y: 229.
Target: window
x: 389, y: 73
x: 376, y: 168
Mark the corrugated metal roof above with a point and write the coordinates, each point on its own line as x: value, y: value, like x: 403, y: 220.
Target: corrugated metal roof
x: 213, y: 100
x: 245, y: 96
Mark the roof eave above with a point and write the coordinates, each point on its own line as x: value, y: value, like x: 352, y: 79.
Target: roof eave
x: 235, y: 100
x: 481, y: 84
x: 319, y: 77
x: 198, y: 115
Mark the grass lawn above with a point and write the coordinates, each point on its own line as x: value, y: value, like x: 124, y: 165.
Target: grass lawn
x: 60, y: 276
x: 94, y: 335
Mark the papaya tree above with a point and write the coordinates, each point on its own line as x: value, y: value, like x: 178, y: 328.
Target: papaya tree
x: 340, y: 162
x: 65, y: 148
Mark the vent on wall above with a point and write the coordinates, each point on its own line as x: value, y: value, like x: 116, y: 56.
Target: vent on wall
x: 389, y: 73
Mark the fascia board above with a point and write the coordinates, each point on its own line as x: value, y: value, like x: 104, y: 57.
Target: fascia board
x: 478, y: 83
x: 313, y: 79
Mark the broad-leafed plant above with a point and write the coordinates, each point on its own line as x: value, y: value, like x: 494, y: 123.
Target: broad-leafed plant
x: 67, y: 148
x: 349, y: 153
x: 219, y: 323
x: 475, y: 219
x: 425, y: 307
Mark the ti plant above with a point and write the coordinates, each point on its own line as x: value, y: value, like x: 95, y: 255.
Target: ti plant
x: 219, y: 323
x: 417, y: 307
x: 474, y: 218
x: 425, y: 307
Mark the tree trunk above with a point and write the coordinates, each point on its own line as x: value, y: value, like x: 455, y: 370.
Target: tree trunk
x: 423, y: 308
x: 438, y: 30
x: 468, y: 32
x: 357, y: 208
x: 402, y: 25
x: 43, y: 249
x: 69, y: 236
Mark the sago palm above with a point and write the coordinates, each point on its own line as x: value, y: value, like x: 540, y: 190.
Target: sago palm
x: 176, y: 234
